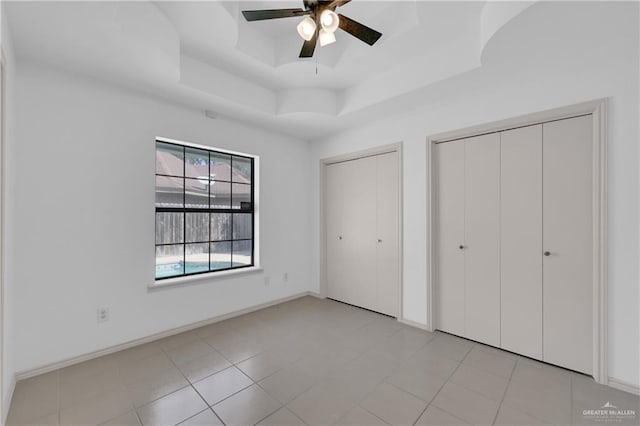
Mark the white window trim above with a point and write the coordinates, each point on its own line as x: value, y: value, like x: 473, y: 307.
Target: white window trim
x: 228, y: 273
x: 211, y: 276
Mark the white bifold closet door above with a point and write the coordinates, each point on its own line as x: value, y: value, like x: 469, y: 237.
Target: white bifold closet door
x: 468, y: 238
x: 362, y: 263
x: 568, y: 243
x: 337, y: 269
x: 449, y: 160
x: 514, y: 240
x: 387, y: 231
x: 482, y: 238
x: 521, y: 241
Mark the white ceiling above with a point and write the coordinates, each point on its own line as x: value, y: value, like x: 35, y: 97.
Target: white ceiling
x: 203, y: 54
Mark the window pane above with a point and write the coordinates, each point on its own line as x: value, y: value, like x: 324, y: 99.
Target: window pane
x: 197, y: 193
x: 241, y: 170
x: 241, y: 196
x: 169, y: 191
x: 197, y: 163
x: 169, y: 228
x: 197, y: 227
x: 220, y: 256
x: 169, y: 261
x: 241, y: 253
x: 242, y: 226
x: 220, y: 166
x: 169, y: 159
x: 220, y: 195
x: 197, y: 256
x: 220, y: 226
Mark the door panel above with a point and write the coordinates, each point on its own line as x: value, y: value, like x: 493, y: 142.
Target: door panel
x: 361, y: 211
x: 362, y: 207
x: 335, y: 247
x: 521, y: 240
x: 449, y: 230
x: 387, y: 202
x: 568, y: 236
x: 482, y: 242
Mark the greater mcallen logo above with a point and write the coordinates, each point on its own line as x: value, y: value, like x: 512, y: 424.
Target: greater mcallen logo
x: 609, y: 413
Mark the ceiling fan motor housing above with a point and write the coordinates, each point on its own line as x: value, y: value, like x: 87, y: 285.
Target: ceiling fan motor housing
x: 317, y: 11
x: 311, y: 4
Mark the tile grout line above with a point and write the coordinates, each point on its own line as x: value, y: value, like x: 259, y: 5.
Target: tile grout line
x: 486, y: 372
x: 137, y: 415
x: 571, y: 399
x: 272, y: 412
x: 362, y: 408
x: 58, y: 397
x: 188, y: 385
x: 443, y: 385
x: 504, y: 394
x: 197, y: 414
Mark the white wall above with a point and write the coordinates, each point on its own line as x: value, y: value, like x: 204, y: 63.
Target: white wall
x: 551, y: 56
x: 8, y: 321
x: 81, y: 216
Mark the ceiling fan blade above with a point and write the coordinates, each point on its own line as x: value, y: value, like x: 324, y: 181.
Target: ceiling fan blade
x: 309, y: 46
x: 337, y: 3
x: 358, y: 30
x: 261, y: 15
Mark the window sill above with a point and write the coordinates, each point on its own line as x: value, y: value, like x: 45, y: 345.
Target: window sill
x: 173, y: 282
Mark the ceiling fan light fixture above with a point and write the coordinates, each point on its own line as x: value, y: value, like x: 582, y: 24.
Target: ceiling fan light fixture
x: 307, y: 28
x: 329, y: 20
x: 326, y: 38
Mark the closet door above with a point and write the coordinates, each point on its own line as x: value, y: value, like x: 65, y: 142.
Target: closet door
x: 521, y: 240
x: 568, y: 243
x: 360, y: 210
x: 482, y: 238
x: 449, y: 238
x: 336, y: 253
x: 362, y: 239
x: 387, y: 241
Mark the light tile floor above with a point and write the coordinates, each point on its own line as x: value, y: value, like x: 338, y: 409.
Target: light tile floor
x: 313, y: 361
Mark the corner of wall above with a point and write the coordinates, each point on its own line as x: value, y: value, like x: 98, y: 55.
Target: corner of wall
x: 8, y: 395
x: 8, y: 376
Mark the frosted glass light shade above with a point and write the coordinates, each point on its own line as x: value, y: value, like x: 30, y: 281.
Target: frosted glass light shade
x: 329, y: 21
x: 307, y: 28
x: 326, y: 37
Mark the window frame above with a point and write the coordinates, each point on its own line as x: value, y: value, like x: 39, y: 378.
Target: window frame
x: 253, y: 265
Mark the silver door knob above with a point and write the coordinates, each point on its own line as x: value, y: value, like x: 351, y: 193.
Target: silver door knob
x: 339, y: 237
x: 461, y: 247
x: 547, y: 253
x: 379, y: 240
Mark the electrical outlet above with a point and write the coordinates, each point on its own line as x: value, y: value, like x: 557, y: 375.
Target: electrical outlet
x: 103, y: 315
x: 267, y: 280
x: 285, y: 277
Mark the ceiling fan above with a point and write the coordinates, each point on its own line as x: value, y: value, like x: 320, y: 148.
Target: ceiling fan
x: 320, y: 23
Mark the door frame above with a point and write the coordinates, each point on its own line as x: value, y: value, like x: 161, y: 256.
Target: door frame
x: 3, y: 70
x: 370, y: 152
x: 598, y: 108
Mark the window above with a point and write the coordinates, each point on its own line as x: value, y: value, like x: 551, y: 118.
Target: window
x: 204, y: 210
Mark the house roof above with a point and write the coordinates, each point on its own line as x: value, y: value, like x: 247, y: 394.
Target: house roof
x: 222, y: 177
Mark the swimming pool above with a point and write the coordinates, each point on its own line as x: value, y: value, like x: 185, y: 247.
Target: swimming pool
x: 173, y: 269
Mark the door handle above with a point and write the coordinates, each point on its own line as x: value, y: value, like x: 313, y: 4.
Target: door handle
x: 461, y: 247
x: 379, y: 240
x: 547, y: 253
x: 339, y: 237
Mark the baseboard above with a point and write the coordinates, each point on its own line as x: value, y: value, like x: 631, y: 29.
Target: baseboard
x: 7, y: 400
x: 25, y: 374
x: 624, y: 386
x: 414, y: 324
x: 316, y: 295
